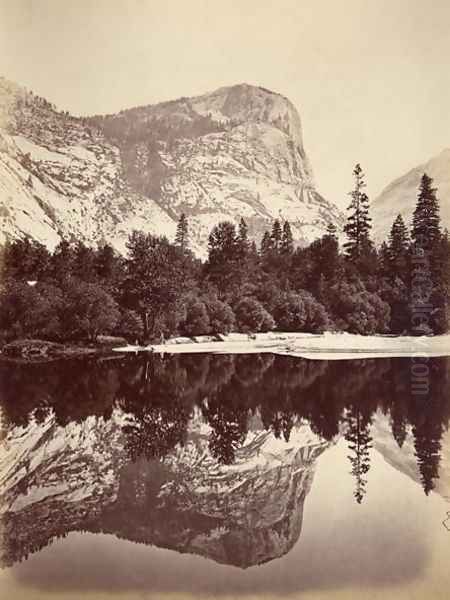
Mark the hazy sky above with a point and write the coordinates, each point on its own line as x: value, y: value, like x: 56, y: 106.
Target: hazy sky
x: 371, y: 78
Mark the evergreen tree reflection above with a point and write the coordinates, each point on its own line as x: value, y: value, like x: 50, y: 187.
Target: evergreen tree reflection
x: 159, y: 396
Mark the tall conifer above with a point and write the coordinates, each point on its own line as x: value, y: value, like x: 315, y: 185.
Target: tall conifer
x: 358, y: 224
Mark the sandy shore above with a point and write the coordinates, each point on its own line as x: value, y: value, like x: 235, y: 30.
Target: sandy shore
x: 327, y: 346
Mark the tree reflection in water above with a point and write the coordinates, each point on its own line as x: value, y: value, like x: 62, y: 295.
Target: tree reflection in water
x: 160, y: 395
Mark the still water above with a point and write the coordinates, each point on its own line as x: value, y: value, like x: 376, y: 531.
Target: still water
x: 224, y: 476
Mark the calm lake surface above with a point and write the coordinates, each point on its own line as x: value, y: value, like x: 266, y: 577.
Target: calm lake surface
x: 249, y: 476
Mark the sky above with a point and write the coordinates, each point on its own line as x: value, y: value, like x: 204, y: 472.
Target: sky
x: 370, y: 78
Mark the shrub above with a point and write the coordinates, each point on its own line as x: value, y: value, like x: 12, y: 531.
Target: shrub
x: 31, y: 311
x: 358, y: 311
x: 88, y: 310
x: 300, y: 312
x: 197, y: 319
x: 251, y: 316
x: 221, y: 316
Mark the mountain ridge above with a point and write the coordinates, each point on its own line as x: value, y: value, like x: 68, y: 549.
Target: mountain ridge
x: 235, y: 152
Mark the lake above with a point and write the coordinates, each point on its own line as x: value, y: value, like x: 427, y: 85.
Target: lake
x: 248, y: 476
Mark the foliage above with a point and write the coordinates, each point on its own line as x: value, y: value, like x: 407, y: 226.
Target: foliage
x: 160, y: 288
x: 30, y: 311
x: 196, y: 321
x: 130, y: 325
x: 356, y: 310
x: 161, y: 397
x: 154, y: 280
x: 222, y: 268
x: 24, y: 260
x: 398, y: 249
x: 252, y: 316
x: 182, y: 234
x: 87, y: 311
x: 359, y: 444
x: 426, y: 221
x: 221, y: 315
x: 358, y: 246
x: 300, y: 312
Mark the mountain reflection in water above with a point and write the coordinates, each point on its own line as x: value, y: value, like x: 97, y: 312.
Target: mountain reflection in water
x: 211, y: 455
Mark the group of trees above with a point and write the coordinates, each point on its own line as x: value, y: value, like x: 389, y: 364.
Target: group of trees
x: 161, y: 289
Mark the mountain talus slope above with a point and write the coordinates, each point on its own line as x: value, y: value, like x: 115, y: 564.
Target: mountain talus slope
x: 400, y: 196
x: 235, y: 152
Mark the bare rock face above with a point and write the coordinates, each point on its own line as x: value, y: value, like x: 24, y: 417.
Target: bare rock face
x: 235, y: 152
x: 59, y: 177
x: 59, y: 479
x: 400, y: 196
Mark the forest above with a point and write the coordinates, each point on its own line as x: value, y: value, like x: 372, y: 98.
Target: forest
x: 160, y: 289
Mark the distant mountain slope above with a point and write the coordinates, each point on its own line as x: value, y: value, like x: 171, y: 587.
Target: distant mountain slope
x: 401, y: 195
x: 235, y: 152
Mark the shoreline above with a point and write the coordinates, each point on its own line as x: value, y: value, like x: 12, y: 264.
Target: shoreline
x: 327, y: 346
x: 43, y: 351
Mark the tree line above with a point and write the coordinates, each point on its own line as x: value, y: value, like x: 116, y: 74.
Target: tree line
x: 160, y: 289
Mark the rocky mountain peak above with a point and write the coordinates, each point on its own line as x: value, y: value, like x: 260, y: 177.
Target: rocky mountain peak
x: 235, y: 152
x: 245, y: 103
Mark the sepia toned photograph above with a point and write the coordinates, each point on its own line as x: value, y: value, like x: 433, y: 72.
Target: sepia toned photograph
x: 224, y: 300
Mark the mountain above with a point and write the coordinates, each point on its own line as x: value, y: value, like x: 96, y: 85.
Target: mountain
x: 400, y: 196
x: 236, y: 152
x: 56, y: 479
x: 60, y: 177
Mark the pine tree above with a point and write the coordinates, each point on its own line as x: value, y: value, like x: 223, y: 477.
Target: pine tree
x: 106, y: 262
x: 276, y: 235
x: 359, y: 439
x: 243, y: 241
x: 398, y: 249
x: 398, y: 425
x: 385, y: 259
x: 358, y: 224
x: 428, y: 261
x: 223, y: 267
x: 266, y: 244
x: 84, y: 262
x: 326, y: 263
x: 182, y: 234
x: 287, y: 241
x: 427, y: 444
x: 426, y: 220
x: 62, y: 260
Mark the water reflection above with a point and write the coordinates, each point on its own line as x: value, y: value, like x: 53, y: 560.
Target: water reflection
x: 205, y: 454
